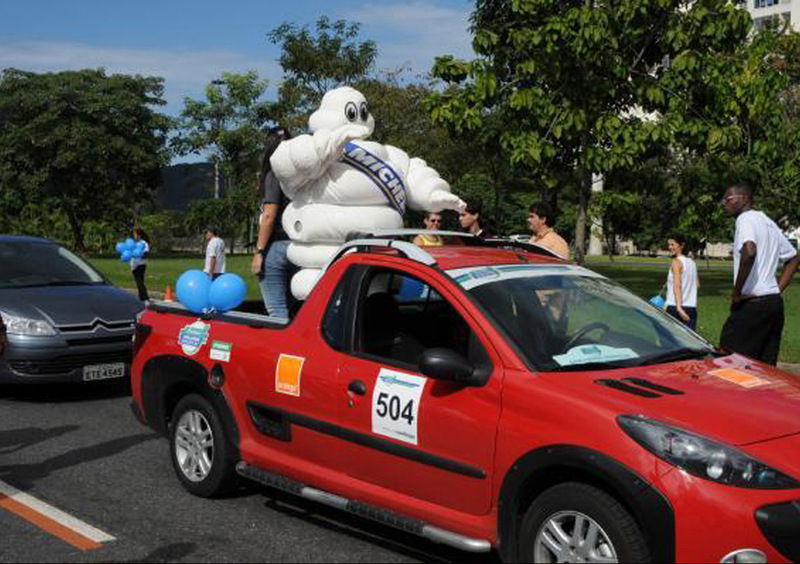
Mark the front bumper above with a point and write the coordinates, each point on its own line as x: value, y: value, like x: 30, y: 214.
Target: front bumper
x: 51, y: 360
x: 712, y: 520
x: 780, y: 523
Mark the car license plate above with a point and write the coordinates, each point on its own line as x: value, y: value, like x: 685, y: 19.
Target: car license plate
x: 103, y: 371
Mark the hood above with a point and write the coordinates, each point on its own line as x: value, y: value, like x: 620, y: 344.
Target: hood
x: 71, y: 305
x: 731, y: 399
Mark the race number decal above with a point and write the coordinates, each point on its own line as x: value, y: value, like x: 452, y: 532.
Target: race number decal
x: 395, y: 405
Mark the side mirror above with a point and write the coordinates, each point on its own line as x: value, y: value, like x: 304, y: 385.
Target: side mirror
x: 448, y: 365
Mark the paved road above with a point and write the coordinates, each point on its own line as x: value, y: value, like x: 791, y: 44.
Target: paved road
x: 80, y: 450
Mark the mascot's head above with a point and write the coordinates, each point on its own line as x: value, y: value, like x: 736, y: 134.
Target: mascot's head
x: 342, y: 106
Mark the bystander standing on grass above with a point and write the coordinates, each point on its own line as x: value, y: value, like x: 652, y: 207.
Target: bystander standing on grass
x: 215, y: 253
x: 755, y: 325
x: 683, y: 284
x: 139, y: 264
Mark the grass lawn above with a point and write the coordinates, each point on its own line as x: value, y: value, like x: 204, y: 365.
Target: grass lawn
x: 635, y: 273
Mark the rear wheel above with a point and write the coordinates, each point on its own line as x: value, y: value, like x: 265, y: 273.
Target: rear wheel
x: 201, y: 452
x: 576, y: 522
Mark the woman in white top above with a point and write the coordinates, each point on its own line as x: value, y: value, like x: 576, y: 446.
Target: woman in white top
x: 139, y: 265
x: 682, y: 284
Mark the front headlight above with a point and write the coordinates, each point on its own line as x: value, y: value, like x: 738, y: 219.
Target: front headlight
x: 28, y: 327
x: 703, y: 457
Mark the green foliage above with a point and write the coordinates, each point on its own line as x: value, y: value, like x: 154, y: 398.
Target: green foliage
x: 315, y: 62
x: 83, y: 144
x: 576, y: 85
x: 229, y: 123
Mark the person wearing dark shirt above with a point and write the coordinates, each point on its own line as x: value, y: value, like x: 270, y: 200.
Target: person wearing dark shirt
x: 472, y: 221
x: 270, y: 262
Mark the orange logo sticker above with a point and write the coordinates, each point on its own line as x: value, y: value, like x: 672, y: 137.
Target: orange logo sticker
x: 738, y: 377
x: 288, y: 373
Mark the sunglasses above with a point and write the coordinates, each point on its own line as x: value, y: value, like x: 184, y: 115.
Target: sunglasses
x: 727, y: 199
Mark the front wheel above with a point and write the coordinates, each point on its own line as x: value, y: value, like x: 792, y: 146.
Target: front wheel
x: 576, y: 522
x: 201, y: 452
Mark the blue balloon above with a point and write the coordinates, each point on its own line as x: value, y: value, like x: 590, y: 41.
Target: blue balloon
x: 126, y: 256
x: 192, y: 290
x: 227, y: 292
x: 658, y: 301
x: 120, y: 247
x: 130, y: 244
x: 139, y: 245
x: 137, y: 252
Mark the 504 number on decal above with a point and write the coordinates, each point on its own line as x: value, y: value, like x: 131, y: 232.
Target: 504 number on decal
x: 392, y: 408
x: 395, y: 405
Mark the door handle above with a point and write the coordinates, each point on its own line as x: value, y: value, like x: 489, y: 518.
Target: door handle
x: 357, y: 387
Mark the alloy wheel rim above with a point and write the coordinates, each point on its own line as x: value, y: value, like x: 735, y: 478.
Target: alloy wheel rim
x: 571, y: 536
x: 194, y: 446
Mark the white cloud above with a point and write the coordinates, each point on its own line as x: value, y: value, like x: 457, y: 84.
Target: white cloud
x: 415, y: 33
x: 186, y: 72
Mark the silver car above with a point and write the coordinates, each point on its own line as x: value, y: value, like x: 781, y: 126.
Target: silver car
x: 65, y: 321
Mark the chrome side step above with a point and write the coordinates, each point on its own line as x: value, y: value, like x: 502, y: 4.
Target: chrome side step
x: 384, y: 516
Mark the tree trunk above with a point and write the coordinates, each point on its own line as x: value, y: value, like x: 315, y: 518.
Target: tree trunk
x: 585, y: 191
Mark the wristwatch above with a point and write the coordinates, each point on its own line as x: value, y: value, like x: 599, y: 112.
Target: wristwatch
x: 261, y: 251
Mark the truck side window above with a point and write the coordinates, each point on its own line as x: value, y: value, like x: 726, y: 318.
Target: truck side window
x: 338, y: 317
x: 400, y: 316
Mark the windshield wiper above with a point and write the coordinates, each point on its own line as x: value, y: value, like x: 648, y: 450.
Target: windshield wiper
x: 597, y: 365
x: 685, y: 353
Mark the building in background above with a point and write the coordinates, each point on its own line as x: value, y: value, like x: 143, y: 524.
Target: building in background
x: 764, y: 11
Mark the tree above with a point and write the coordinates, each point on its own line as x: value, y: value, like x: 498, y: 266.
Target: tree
x: 230, y: 124
x: 744, y: 124
x: 315, y: 63
x: 575, y: 84
x: 87, y: 143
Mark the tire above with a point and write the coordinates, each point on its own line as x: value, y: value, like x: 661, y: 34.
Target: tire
x: 551, y: 520
x: 201, y: 452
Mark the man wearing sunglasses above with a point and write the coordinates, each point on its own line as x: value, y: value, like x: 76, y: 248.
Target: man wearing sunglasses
x: 755, y: 325
x: 433, y: 222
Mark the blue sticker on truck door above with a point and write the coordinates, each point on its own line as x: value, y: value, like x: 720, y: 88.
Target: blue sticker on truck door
x: 395, y: 405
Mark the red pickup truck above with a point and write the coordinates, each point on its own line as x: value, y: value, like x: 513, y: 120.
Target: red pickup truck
x: 485, y: 395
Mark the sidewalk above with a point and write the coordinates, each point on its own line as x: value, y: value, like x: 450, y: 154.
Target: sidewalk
x: 790, y: 367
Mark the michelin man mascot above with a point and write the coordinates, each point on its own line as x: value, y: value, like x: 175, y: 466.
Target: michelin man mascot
x: 339, y: 183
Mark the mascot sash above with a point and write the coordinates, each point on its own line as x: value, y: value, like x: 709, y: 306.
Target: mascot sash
x: 385, y: 178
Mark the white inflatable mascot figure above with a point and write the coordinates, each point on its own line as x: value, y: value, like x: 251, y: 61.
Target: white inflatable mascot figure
x: 339, y: 183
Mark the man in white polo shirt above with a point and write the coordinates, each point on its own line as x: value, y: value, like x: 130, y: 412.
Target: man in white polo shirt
x: 215, y: 254
x: 755, y: 325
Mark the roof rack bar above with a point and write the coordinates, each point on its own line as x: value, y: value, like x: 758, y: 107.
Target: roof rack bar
x: 408, y: 250
x: 511, y: 244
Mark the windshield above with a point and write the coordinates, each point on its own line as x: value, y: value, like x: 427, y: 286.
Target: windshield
x: 27, y: 264
x: 565, y: 317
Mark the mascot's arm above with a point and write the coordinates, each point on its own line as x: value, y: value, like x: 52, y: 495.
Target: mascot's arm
x: 428, y: 191
x: 305, y: 158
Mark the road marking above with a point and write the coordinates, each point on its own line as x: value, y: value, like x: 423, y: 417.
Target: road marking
x: 52, y: 520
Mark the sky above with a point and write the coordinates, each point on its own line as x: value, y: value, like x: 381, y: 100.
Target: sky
x: 192, y: 43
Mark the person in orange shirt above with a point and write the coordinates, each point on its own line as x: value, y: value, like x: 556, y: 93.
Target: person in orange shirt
x: 541, y: 219
x: 433, y: 222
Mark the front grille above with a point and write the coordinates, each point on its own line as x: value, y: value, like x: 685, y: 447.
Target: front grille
x: 117, y: 325
x: 100, y: 340
x: 68, y: 363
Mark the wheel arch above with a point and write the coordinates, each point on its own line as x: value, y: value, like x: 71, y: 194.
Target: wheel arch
x: 168, y: 378
x: 538, y: 470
